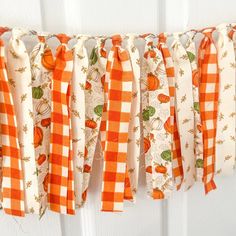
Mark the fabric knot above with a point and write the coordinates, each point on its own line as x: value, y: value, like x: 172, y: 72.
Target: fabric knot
x: 3, y: 30
x: 63, y: 38
x: 208, y: 32
x: 116, y: 40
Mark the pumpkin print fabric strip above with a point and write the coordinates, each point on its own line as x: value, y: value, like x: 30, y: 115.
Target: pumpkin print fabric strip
x: 78, y: 115
x: 134, y: 125
x: 184, y: 109
x: 198, y: 142
x: 177, y: 167
x: 12, y: 189
x: 61, y: 179
x: 42, y: 65
x: 209, y: 90
x: 19, y: 74
x: 159, y: 155
x: 116, y: 185
x: 225, y: 136
x: 94, y: 100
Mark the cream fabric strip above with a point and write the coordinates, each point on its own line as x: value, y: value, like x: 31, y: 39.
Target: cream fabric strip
x: 156, y: 114
x: 78, y: 114
x: 20, y: 83
x: 94, y: 100
x: 225, y: 137
x: 41, y: 69
x: 184, y: 106
x: 134, y: 125
x: 198, y: 141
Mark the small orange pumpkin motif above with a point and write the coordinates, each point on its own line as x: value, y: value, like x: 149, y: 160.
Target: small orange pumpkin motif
x: 88, y: 86
x: 91, y: 124
x: 146, y: 145
x: 150, y: 53
x: 38, y: 136
x: 103, y: 52
x: 163, y: 98
x: 158, y: 194
x: 87, y: 168
x: 46, y: 122
x: 41, y: 159
x: 195, y: 78
x: 153, y: 83
x: 103, y: 80
x: 167, y: 126
x: 47, y: 59
x: 149, y: 169
x: 161, y: 169
x: 45, y: 182
x: 84, y: 195
x: 199, y: 127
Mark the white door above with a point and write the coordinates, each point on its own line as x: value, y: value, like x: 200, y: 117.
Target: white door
x: 186, y: 214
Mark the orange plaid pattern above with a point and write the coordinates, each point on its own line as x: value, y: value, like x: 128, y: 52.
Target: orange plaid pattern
x: 61, y: 182
x: 176, y: 148
x: 209, y: 90
x: 12, y: 179
x: 118, y: 89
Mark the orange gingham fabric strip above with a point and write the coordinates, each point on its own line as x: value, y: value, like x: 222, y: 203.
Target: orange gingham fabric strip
x: 115, y: 175
x: 209, y: 90
x: 177, y: 166
x: 61, y: 179
x: 12, y: 179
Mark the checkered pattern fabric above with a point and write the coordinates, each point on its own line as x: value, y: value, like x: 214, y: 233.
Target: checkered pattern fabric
x: 177, y: 166
x: 61, y: 180
x: 116, y: 184
x: 208, y: 89
x: 12, y: 180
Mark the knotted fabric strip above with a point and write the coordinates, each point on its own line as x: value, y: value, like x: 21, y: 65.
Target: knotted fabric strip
x: 12, y: 190
x: 19, y: 74
x: 61, y: 179
x: 225, y: 143
x: 156, y: 115
x: 134, y: 125
x: 209, y: 92
x: 42, y: 65
x: 116, y: 184
x: 198, y: 142
x: 94, y: 100
x: 78, y: 114
x: 177, y: 166
x: 184, y: 108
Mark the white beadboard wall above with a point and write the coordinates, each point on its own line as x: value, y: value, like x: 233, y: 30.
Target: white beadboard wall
x: 186, y: 213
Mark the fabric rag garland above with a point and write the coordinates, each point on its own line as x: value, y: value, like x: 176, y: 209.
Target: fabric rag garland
x: 174, y: 105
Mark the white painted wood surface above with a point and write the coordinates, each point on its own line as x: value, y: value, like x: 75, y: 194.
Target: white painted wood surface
x: 185, y: 214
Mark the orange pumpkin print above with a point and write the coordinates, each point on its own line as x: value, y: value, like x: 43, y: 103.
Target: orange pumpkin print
x: 199, y: 127
x: 103, y: 80
x: 46, y: 122
x: 168, y: 126
x: 151, y: 136
x: 158, y: 194
x: 195, y: 78
x: 150, y: 53
x: 88, y: 86
x: 149, y: 169
x: 47, y: 59
x: 87, y: 168
x: 45, y: 182
x: 38, y: 136
x: 153, y: 83
x: 146, y: 145
x: 161, y: 169
x: 85, y: 152
x: 84, y: 195
x: 41, y: 159
x: 103, y: 53
x: 91, y: 124
x: 163, y: 98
